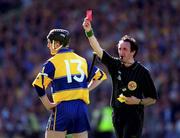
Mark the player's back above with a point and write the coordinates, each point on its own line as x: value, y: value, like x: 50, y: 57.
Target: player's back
x: 70, y: 76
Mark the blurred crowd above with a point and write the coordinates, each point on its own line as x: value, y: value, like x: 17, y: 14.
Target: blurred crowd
x: 24, y: 25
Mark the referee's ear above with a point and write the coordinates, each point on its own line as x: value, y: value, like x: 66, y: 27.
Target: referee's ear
x: 133, y: 53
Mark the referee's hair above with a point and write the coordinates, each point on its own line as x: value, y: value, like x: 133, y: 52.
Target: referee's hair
x: 132, y: 41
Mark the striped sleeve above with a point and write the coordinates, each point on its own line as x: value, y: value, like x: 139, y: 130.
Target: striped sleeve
x: 97, y: 74
x: 45, y: 76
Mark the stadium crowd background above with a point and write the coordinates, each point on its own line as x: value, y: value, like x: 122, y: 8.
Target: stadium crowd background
x: 24, y: 25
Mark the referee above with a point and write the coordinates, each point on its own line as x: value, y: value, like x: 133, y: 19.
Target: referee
x: 133, y: 87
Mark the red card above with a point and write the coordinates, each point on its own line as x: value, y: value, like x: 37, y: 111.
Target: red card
x: 89, y: 15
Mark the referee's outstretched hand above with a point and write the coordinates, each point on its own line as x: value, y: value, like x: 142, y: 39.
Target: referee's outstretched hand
x: 87, y: 25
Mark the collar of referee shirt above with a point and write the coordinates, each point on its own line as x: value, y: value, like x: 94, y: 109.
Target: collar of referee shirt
x: 132, y: 66
x: 64, y: 50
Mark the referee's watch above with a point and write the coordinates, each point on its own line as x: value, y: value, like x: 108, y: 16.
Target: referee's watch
x: 140, y: 102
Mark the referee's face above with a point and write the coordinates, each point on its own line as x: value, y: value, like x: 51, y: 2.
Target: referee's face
x: 124, y: 51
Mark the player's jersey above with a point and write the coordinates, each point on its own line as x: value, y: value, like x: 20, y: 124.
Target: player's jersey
x: 67, y: 72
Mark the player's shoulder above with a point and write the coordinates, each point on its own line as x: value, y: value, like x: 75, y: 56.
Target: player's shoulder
x: 80, y: 57
x: 48, y: 62
x: 55, y: 58
x: 51, y: 58
x: 48, y: 66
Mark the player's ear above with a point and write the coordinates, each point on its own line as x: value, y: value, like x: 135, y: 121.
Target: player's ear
x: 57, y: 44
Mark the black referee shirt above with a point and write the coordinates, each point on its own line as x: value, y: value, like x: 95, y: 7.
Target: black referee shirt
x: 131, y: 81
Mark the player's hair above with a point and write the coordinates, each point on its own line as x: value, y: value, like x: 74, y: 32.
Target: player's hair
x: 132, y: 41
x: 59, y: 35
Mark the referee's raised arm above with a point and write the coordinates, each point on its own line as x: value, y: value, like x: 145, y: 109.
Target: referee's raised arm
x: 92, y: 39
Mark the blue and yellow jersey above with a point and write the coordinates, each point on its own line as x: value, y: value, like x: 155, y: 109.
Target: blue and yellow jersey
x: 67, y: 73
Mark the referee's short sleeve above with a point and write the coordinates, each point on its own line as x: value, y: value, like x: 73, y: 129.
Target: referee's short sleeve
x: 149, y: 89
x: 108, y: 61
x: 106, y: 58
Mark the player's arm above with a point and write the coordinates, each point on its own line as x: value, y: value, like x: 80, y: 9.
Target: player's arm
x: 47, y: 104
x: 42, y: 81
x: 92, y: 39
x: 93, y: 84
x: 97, y: 77
x: 44, y: 98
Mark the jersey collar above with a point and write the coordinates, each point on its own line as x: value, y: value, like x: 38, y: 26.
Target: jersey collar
x: 65, y: 50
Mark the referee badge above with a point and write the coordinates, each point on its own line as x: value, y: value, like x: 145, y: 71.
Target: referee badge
x: 132, y: 85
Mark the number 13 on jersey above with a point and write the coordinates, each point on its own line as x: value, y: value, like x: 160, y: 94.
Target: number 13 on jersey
x: 79, y: 70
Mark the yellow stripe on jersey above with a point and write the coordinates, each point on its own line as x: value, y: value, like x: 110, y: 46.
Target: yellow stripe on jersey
x: 72, y: 95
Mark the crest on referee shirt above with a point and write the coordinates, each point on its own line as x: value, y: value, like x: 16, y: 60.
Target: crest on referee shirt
x: 132, y: 85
